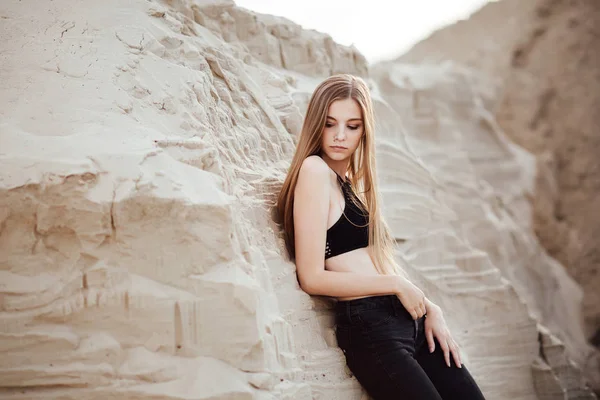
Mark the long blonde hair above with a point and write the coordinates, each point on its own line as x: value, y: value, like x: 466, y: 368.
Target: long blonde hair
x: 361, y: 169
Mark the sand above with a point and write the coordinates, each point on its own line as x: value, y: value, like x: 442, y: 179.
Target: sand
x: 141, y: 147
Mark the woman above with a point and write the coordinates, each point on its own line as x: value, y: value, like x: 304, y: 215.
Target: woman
x: 331, y: 217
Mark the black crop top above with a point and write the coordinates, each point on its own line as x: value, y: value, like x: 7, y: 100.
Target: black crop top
x: 344, y: 236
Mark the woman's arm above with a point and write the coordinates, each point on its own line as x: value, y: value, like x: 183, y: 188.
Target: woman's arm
x: 311, y: 209
x: 349, y: 284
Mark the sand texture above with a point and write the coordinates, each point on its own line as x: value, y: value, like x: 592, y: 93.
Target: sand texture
x: 141, y: 146
x: 544, y: 55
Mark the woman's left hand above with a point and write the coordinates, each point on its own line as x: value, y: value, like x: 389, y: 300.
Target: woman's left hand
x: 435, y: 327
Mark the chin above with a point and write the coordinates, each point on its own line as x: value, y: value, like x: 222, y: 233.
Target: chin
x: 339, y: 156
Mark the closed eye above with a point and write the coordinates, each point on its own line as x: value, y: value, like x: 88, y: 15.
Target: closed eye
x: 328, y: 125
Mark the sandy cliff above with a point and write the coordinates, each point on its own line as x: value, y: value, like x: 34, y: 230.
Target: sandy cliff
x: 141, y: 146
x: 551, y: 108
x: 545, y: 55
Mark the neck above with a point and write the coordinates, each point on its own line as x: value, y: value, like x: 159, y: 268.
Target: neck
x: 339, y: 167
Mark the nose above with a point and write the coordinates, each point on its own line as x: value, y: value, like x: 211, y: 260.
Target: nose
x: 340, y: 134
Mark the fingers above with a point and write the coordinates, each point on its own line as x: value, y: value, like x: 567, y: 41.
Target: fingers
x: 455, y: 353
x: 450, y: 346
x: 430, y: 341
x: 418, y: 312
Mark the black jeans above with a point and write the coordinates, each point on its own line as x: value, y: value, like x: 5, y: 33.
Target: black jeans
x: 387, y: 352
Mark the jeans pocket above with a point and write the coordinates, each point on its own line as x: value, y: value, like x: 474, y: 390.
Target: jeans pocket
x: 375, y: 317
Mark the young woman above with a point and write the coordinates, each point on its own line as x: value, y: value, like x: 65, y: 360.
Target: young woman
x: 395, y: 340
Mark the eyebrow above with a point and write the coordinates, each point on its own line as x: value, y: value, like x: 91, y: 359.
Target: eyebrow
x: 351, y: 119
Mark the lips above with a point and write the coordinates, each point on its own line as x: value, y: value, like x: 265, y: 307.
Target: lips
x: 339, y: 147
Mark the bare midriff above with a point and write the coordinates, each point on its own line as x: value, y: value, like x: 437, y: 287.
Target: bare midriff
x: 355, y: 261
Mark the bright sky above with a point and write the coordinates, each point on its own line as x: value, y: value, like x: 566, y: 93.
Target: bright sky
x: 379, y: 29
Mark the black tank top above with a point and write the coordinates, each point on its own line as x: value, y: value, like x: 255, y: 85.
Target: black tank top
x: 351, y: 231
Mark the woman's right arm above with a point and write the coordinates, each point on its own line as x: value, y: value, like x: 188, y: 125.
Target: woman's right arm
x: 311, y: 209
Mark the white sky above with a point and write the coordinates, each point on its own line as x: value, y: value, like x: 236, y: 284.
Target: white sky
x: 379, y: 29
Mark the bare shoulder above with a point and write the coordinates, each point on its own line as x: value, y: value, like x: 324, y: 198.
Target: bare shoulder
x: 314, y: 176
x: 314, y: 165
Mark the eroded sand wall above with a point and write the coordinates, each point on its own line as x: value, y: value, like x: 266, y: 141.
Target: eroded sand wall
x: 141, y: 145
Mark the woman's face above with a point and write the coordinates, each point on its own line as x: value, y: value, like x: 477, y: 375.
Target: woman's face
x: 343, y: 129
